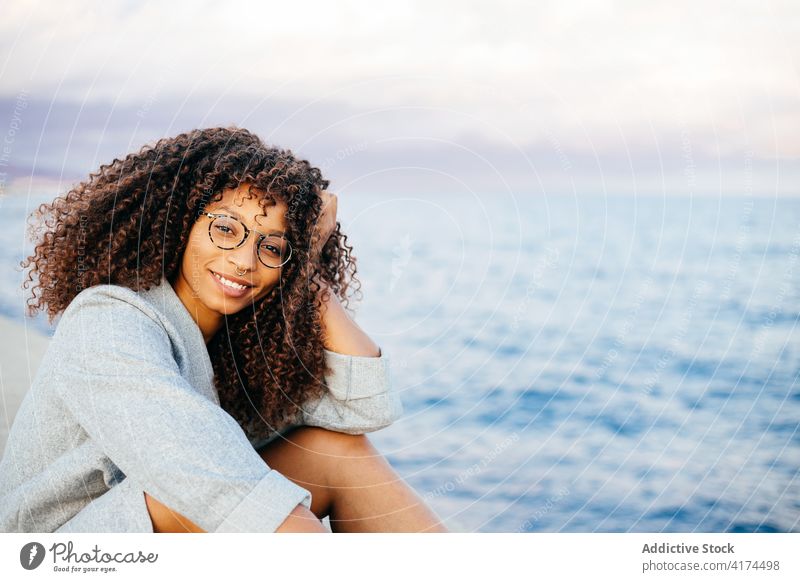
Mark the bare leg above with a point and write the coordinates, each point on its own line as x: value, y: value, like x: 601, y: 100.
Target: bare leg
x: 350, y: 482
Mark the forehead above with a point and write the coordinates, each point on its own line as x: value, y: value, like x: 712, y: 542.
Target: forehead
x: 245, y: 204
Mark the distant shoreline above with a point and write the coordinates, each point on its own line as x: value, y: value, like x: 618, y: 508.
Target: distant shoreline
x: 25, y: 185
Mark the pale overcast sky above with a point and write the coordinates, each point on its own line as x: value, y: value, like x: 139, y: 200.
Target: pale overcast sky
x: 526, y: 95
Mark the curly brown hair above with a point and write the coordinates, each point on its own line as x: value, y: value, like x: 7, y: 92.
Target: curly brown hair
x: 128, y: 225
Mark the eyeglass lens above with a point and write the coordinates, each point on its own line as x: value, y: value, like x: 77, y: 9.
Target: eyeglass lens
x: 228, y: 233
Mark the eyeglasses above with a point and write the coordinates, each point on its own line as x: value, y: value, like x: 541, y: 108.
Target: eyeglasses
x: 229, y: 233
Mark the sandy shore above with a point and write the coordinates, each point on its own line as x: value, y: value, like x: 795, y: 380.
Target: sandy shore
x: 21, y: 350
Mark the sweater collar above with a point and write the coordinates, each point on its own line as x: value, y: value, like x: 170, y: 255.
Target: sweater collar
x: 163, y: 297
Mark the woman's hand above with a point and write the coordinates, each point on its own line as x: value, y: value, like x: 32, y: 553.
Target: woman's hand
x: 325, y: 225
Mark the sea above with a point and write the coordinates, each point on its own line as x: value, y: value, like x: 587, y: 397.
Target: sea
x: 574, y: 363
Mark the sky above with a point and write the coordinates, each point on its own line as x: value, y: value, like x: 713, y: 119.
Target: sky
x: 596, y: 97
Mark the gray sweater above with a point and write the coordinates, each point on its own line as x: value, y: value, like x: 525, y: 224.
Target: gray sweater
x: 124, y: 403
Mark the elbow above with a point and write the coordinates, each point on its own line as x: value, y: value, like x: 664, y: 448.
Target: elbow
x: 379, y: 416
x: 356, y: 415
x: 389, y: 413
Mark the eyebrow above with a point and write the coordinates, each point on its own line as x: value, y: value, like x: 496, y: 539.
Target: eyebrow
x: 239, y: 216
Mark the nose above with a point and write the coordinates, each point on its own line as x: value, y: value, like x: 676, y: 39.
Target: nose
x: 244, y: 257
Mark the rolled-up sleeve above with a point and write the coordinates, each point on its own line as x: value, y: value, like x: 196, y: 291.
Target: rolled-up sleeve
x: 123, y: 386
x: 359, y: 396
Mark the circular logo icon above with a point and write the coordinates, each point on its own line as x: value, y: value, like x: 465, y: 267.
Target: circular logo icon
x: 31, y: 555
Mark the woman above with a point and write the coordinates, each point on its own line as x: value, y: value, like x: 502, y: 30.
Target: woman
x: 204, y: 375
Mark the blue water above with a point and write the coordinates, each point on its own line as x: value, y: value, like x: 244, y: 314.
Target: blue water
x: 580, y: 363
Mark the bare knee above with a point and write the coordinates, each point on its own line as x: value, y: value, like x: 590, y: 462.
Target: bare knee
x: 331, y: 444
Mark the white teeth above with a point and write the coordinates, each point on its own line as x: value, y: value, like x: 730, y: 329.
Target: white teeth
x: 227, y: 283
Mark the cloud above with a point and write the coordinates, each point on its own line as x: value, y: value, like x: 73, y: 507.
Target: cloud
x: 596, y: 79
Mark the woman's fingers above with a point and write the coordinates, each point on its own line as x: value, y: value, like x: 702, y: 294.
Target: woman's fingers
x: 329, y: 208
x: 326, y: 223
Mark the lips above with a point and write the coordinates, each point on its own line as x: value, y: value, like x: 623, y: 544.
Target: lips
x: 234, y: 279
x: 230, y: 291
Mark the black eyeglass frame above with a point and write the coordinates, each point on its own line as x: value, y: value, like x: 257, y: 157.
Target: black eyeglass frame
x: 247, y: 232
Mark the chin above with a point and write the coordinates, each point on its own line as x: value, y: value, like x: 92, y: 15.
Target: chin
x: 230, y: 305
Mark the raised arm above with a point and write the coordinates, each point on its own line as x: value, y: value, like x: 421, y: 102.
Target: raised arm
x: 339, y: 332
x: 360, y: 397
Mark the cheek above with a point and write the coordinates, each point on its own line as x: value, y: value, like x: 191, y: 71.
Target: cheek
x: 196, y: 256
x: 270, y: 281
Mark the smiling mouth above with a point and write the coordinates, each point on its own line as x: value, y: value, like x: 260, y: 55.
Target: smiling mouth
x: 230, y: 284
